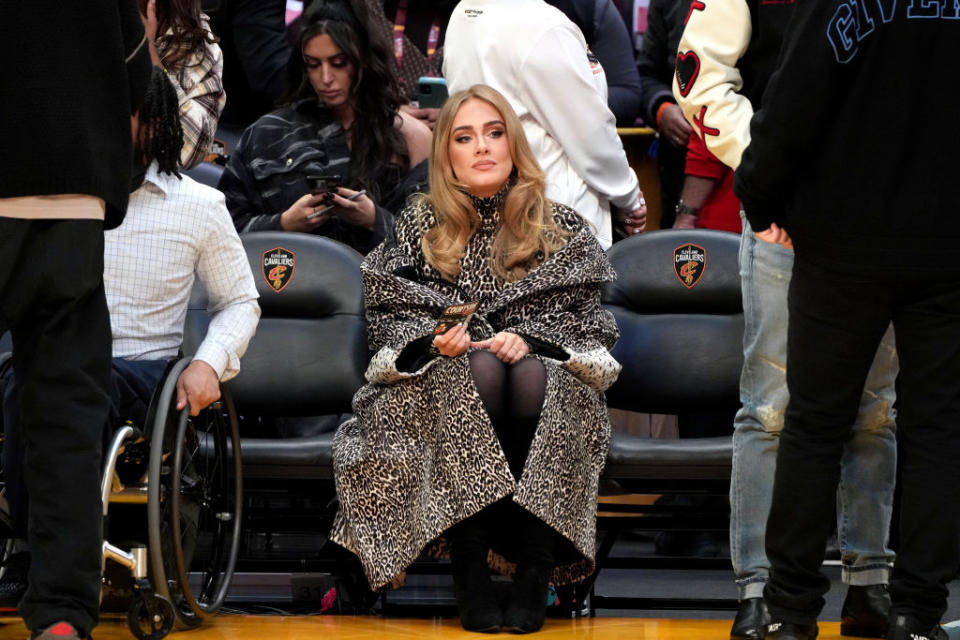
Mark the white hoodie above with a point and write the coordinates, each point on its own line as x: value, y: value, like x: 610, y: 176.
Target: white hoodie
x: 538, y: 59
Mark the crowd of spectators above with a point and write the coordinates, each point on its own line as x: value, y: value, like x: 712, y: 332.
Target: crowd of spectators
x: 325, y: 108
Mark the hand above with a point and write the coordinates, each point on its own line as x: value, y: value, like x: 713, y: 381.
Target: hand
x: 635, y: 221
x: 360, y: 212
x: 775, y: 235
x: 453, y: 342
x: 149, y: 17
x: 685, y: 221
x: 198, y: 385
x: 295, y: 218
x: 509, y: 347
x: 426, y: 116
x: 148, y: 13
x: 674, y: 127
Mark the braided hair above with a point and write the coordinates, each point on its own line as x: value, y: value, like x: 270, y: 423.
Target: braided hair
x: 161, y: 136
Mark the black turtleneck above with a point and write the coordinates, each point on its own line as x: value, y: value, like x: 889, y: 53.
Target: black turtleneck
x: 489, y: 208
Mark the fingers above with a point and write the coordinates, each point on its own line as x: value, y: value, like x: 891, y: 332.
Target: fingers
x: 453, y: 342
x: 775, y: 235
x: 508, y: 347
x: 181, y: 394
x: 203, y: 398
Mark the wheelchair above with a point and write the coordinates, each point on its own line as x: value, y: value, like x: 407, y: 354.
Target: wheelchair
x: 187, y: 472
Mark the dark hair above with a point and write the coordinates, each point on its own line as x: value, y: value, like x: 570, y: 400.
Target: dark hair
x: 161, y: 136
x: 180, y: 32
x: 375, y: 94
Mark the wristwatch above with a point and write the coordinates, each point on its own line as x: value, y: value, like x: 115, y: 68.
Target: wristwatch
x: 683, y: 207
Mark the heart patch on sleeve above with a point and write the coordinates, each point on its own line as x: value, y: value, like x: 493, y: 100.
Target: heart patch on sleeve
x: 688, y: 68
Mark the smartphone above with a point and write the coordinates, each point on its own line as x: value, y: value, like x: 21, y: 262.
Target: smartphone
x: 323, y: 184
x: 320, y: 212
x: 432, y: 92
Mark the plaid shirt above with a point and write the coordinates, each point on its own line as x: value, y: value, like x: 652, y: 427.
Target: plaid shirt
x: 201, y: 96
x: 177, y: 231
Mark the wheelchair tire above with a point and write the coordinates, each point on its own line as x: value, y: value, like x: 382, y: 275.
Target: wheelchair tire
x: 150, y: 617
x: 197, y: 480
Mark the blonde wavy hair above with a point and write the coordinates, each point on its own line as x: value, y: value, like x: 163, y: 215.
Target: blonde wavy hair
x: 528, y: 233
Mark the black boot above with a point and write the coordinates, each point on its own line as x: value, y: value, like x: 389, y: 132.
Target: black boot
x: 527, y: 606
x: 751, y: 621
x: 476, y: 598
x: 903, y: 627
x: 791, y: 631
x: 865, y: 611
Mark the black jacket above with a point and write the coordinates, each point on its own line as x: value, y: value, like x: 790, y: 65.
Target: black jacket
x: 609, y: 39
x: 769, y: 22
x: 852, y: 151
x: 276, y: 154
x: 658, y: 55
x: 71, y: 74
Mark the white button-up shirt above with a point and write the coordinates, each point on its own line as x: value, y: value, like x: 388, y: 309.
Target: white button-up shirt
x: 176, y: 230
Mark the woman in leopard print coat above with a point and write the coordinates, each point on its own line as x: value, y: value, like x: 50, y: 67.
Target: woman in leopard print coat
x: 430, y: 447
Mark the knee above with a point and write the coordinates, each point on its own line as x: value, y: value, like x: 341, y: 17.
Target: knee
x: 877, y: 417
x: 762, y: 420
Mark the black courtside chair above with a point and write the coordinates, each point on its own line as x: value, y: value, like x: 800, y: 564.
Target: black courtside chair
x: 677, y: 303
x: 299, y: 373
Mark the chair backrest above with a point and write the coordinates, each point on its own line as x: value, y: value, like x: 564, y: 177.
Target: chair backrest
x: 677, y: 303
x: 309, y: 354
x: 206, y: 173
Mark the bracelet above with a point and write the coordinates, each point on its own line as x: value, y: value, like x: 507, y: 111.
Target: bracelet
x: 660, y: 110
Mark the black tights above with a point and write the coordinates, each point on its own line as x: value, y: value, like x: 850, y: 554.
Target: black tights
x: 513, y: 396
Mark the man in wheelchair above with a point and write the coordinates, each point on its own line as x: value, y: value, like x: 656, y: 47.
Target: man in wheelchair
x: 176, y: 230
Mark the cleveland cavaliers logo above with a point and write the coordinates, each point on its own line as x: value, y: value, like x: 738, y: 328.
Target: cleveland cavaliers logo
x: 689, y: 261
x: 278, y: 266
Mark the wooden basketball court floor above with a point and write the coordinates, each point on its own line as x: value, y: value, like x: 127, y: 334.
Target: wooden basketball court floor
x: 328, y: 627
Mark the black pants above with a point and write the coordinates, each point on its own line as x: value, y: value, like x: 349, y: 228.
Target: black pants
x: 52, y: 300
x: 836, y: 323
x: 132, y: 384
x: 671, y: 162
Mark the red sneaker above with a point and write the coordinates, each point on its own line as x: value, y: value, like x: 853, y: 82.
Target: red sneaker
x: 58, y: 631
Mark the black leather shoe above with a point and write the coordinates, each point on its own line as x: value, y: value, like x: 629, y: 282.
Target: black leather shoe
x: 751, y: 621
x: 866, y: 612
x: 909, y: 628
x: 790, y: 631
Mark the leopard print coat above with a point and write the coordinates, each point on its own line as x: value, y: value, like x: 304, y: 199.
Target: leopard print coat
x: 421, y: 453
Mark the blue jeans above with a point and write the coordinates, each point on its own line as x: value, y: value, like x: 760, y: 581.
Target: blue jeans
x: 868, y: 471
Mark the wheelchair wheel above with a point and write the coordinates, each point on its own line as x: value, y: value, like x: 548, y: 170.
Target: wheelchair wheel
x: 150, y: 617
x: 195, y: 518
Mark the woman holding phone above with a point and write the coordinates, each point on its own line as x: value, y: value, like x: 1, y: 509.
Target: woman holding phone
x: 338, y: 159
x: 493, y: 433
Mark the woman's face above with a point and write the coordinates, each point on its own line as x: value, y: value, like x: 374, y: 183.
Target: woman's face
x: 330, y: 72
x: 479, y: 148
